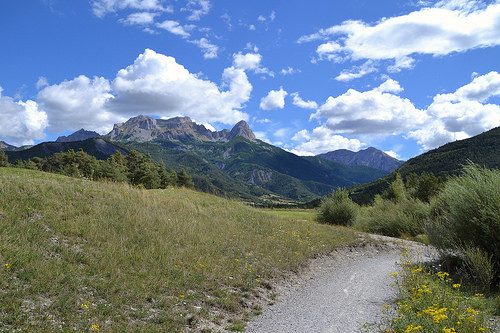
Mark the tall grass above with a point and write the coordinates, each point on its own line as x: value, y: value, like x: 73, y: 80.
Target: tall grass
x: 81, y: 255
x: 466, y: 214
x: 403, y: 219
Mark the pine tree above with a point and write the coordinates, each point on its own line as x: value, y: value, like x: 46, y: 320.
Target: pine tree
x: 4, y: 161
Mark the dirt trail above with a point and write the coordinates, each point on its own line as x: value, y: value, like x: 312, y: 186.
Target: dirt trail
x: 340, y: 293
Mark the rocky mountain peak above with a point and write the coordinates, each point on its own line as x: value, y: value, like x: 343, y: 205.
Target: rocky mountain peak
x: 242, y: 129
x: 143, y: 128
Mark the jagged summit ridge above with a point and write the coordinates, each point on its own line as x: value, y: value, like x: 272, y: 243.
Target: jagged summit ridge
x: 143, y: 128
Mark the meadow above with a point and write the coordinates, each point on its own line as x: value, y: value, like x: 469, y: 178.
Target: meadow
x: 82, y: 255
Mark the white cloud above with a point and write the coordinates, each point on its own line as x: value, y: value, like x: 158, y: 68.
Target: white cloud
x: 297, y: 101
x: 461, y: 114
x: 263, y: 121
x: 282, y: 133
x: 42, y: 82
x: 323, y: 140
x: 79, y: 103
x: 289, y: 71
x: 198, y: 8
x: 275, y: 99
x: 377, y: 111
x: 21, y: 122
x: 141, y: 18
x: 174, y: 27
x: 261, y: 18
x: 455, y: 26
x: 209, y: 50
x: 158, y: 84
x: 102, y: 7
x: 252, y: 27
x: 154, y: 84
x: 251, y: 62
x: 357, y: 72
x: 392, y: 154
x: 400, y: 64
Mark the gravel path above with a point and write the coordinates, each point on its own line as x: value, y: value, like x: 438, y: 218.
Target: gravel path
x: 341, y: 293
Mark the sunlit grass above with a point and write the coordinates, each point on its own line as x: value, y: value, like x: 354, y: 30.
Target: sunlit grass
x: 91, y: 256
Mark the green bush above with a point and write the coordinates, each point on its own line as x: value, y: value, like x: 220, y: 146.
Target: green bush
x: 338, y: 208
x: 467, y: 213
x: 386, y: 217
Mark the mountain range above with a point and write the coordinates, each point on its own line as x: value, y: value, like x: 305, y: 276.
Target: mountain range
x: 371, y: 157
x: 231, y: 162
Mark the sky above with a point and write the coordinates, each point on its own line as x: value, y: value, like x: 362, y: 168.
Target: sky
x: 308, y: 76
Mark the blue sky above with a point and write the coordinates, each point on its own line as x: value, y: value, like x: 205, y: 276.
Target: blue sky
x: 308, y: 76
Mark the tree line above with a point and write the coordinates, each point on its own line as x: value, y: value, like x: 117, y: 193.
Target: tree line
x: 136, y: 168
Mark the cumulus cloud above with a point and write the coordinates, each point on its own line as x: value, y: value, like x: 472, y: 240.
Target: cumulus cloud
x: 102, y: 7
x: 154, y: 84
x: 275, y: 99
x: 78, y: 103
x: 175, y: 28
x: 322, y: 140
x: 382, y: 112
x: 250, y: 61
x: 21, y: 122
x: 377, y: 111
x: 449, y: 26
x: 158, y: 84
x: 461, y: 114
x: 298, y: 101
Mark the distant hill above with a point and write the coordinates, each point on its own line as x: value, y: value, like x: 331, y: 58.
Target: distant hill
x: 79, y: 135
x: 445, y: 161
x: 370, y: 157
x: 97, y: 147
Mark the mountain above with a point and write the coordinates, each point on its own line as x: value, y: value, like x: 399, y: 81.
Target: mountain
x: 371, y: 157
x: 97, y: 147
x: 445, y: 161
x: 233, y: 163
x: 5, y: 146
x: 144, y: 129
x: 79, y: 135
x: 254, y: 170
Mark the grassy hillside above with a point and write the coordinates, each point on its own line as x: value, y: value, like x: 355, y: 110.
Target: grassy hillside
x: 444, y: 161
x: 81, y: 255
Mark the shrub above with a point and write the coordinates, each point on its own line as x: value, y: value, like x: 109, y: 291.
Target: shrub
x: 338, y: 208
x: 467, y: 213
x: 394, y: 219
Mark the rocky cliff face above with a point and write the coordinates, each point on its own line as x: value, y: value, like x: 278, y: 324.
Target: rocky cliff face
x: 371, y: 157
x: 79, y: 135
x: 144, y: 128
